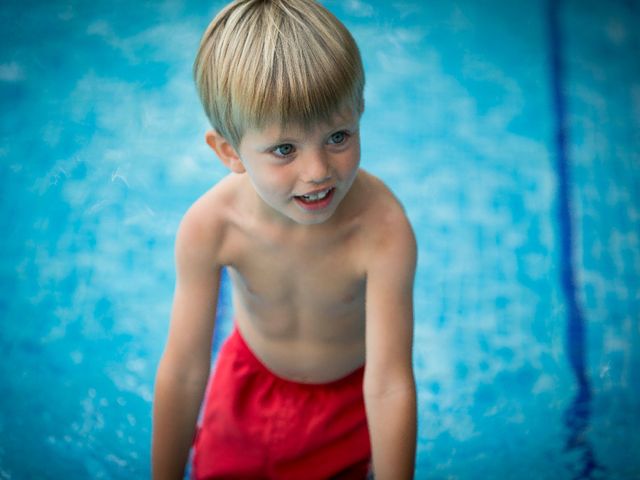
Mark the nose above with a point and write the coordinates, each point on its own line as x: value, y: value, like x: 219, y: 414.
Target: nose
x: 315, y: 168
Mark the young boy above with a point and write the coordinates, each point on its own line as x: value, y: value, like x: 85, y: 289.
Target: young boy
x: 316, y: 380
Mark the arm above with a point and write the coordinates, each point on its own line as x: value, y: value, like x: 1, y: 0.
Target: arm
x: 389, y: 386
x: 184, y: 368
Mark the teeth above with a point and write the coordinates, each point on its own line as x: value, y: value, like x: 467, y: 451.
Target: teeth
x: 316, y: 196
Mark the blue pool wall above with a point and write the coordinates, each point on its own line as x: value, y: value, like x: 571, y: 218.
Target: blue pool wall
x: 509, y: 130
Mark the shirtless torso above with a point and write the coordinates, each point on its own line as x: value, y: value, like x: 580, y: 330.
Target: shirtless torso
x: 299, y: 291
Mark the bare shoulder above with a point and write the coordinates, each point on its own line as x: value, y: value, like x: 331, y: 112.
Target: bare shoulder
x: 389, y: 231
x: 204, y: 226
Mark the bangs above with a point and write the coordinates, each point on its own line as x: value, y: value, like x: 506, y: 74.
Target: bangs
x: 278, y: 64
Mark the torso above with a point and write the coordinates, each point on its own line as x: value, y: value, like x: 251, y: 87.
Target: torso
x: 299, y: 292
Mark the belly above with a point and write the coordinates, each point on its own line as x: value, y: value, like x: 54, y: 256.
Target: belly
x: 304, y: 360
x: 307, y: 329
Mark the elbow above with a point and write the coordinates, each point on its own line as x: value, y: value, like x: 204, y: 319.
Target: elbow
x: 186, y: 375
x: 398, y: 387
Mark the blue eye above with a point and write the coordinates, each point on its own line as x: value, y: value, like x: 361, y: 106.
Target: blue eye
x: 284, y: 150
x: 338, y: 138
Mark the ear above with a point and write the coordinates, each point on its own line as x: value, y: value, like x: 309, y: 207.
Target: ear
x: 225, y: 151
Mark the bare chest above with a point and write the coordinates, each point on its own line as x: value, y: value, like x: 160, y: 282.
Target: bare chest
x: 316, y: 280
x: 300, y: 288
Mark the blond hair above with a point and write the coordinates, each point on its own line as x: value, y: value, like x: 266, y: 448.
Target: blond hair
x: 286, y: 61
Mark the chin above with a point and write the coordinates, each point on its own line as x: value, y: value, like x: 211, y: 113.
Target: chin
x: 312, y: 221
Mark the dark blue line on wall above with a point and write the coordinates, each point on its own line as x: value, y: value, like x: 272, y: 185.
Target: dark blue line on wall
x: 577, y: 415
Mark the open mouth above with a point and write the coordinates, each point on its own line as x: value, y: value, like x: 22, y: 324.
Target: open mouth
x: 316, y: 200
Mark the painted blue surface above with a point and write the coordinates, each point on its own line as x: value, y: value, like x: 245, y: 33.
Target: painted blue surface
x: 102, y: 151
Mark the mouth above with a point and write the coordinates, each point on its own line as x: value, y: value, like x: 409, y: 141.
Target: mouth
x: 315, y: 200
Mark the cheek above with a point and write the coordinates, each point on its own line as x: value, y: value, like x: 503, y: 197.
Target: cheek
x: 273, y: 179
x: 350, y: 161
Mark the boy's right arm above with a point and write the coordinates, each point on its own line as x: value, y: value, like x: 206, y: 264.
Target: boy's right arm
x: 184, y: 368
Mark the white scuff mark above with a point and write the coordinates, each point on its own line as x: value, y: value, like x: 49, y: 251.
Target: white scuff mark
x: 11, y: 72
x: 117, y: 175
x: 407, y: 9
x: 117, y: 460
x: 545, y: 383
x: 616, y: 31
x: 95, y: 208
x: 100, y: 28
x: 50, y: 179
x: 76, y: 357
x: 359, y: 8
x: 67, y: 14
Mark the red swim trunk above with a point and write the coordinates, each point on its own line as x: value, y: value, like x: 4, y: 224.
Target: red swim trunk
x: 260, y: 426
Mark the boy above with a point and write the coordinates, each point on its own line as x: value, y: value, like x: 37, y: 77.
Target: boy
x: 316, y: 380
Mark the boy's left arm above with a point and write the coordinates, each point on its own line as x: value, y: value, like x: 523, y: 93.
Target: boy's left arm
x: 389, y: 386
